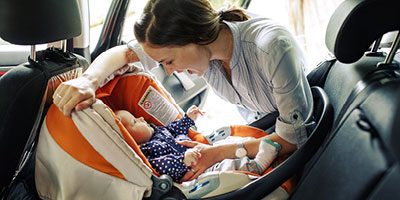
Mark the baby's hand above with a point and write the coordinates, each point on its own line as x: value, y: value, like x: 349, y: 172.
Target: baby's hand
x: 191, y: 157
x: 193, y: 112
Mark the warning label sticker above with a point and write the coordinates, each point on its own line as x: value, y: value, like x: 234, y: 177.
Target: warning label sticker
x: 157, y: 106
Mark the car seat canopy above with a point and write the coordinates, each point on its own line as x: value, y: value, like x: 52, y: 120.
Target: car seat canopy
x: 38, y: 22
x: 356, y: 24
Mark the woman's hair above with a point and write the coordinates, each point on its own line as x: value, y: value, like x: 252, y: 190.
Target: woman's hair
x: 181, y: 22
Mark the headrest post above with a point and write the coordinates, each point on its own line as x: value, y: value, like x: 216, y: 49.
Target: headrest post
x: 33, y: 52
x: 376, y: 44
x: 393, y: 49
x: 64, y: 45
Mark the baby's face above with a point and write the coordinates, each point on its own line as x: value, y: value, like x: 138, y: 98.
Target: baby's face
x: 139, y: 129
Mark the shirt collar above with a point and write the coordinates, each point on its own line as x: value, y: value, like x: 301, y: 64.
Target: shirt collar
x: 236, y: 43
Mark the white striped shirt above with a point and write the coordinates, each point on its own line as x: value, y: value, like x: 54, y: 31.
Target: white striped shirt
x: 267, y: 73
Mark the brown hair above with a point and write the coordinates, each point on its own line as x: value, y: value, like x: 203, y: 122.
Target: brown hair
x: 181, y: 22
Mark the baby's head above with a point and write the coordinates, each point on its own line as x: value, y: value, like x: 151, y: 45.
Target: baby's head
x: 139, y: 129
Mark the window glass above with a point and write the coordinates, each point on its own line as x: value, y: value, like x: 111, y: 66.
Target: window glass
x: 134, y: 10
x: 98, y: 11
x: 306, y: 19
x: 11, y: 54
x: 217, y: 4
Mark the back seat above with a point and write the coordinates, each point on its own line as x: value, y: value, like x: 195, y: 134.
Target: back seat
x: 360, y: 158
x: 26, y: 89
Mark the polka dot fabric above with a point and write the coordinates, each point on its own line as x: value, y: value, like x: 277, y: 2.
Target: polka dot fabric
x: 162, y: 151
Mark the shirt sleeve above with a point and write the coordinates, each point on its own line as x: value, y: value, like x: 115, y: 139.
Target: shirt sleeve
x: 171, y: 164
x: 147, y: 62
x: 293, y: 97
x: 180, y: 126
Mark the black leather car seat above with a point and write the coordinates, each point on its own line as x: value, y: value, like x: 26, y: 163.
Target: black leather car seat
x: 26, y: 89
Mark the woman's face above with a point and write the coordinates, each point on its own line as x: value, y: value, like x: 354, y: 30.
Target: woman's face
x: 192, y: 58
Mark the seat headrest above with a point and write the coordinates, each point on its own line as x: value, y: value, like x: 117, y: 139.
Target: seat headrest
x: 356, y: 24
x: 27, y: 22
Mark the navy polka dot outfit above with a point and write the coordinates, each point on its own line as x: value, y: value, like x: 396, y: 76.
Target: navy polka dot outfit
x: 164, y: 154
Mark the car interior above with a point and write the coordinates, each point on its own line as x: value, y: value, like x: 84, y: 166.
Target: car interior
x: 352, y: 151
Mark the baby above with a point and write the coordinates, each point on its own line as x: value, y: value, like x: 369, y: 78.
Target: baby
x: 166, y: 156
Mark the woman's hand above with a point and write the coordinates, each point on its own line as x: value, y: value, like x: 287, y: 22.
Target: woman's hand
x: 207, y: 159
x: 193, y: 112
x: 77, y: 93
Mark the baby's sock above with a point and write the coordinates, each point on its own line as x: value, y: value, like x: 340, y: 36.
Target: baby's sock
x: 267, y: 152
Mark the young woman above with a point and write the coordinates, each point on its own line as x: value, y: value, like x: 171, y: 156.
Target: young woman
x: 253, y: 63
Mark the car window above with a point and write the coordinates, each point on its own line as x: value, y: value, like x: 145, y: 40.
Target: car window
x: 98, y: 11
x: 307, y: 20
x: 12, y: 55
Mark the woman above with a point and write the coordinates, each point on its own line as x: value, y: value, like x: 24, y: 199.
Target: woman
x: 253, y: 63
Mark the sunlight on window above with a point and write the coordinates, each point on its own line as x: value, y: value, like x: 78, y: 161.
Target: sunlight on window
x: 98, y: 11
x: 99, y: 8
x: 134, y: 10
x: 217, y: 4
x: 306, y: 19
x: 308, y: 26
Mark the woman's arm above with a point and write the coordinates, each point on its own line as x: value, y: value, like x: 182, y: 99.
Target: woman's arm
x: 213, y: 154
x: 252, y: 146
x: 108, y: 62
x: 293, y: 96
x: 226, y: 151
x: 79, y: 93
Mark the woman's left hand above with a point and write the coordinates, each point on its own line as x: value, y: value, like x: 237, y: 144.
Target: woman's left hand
x: 78, y: 94
x: 207, y: 159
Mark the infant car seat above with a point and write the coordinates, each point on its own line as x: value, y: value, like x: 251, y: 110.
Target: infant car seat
x: 93, y: 146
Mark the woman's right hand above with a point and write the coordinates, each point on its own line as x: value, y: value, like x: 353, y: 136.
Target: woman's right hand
x: 191, y: 157
x: 75, y: 94
x: 207, y: 159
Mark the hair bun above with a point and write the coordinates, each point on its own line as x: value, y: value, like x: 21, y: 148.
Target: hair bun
x: 221, y: 15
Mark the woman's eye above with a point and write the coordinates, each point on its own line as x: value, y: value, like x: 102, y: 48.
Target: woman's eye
x: 169, y: 62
